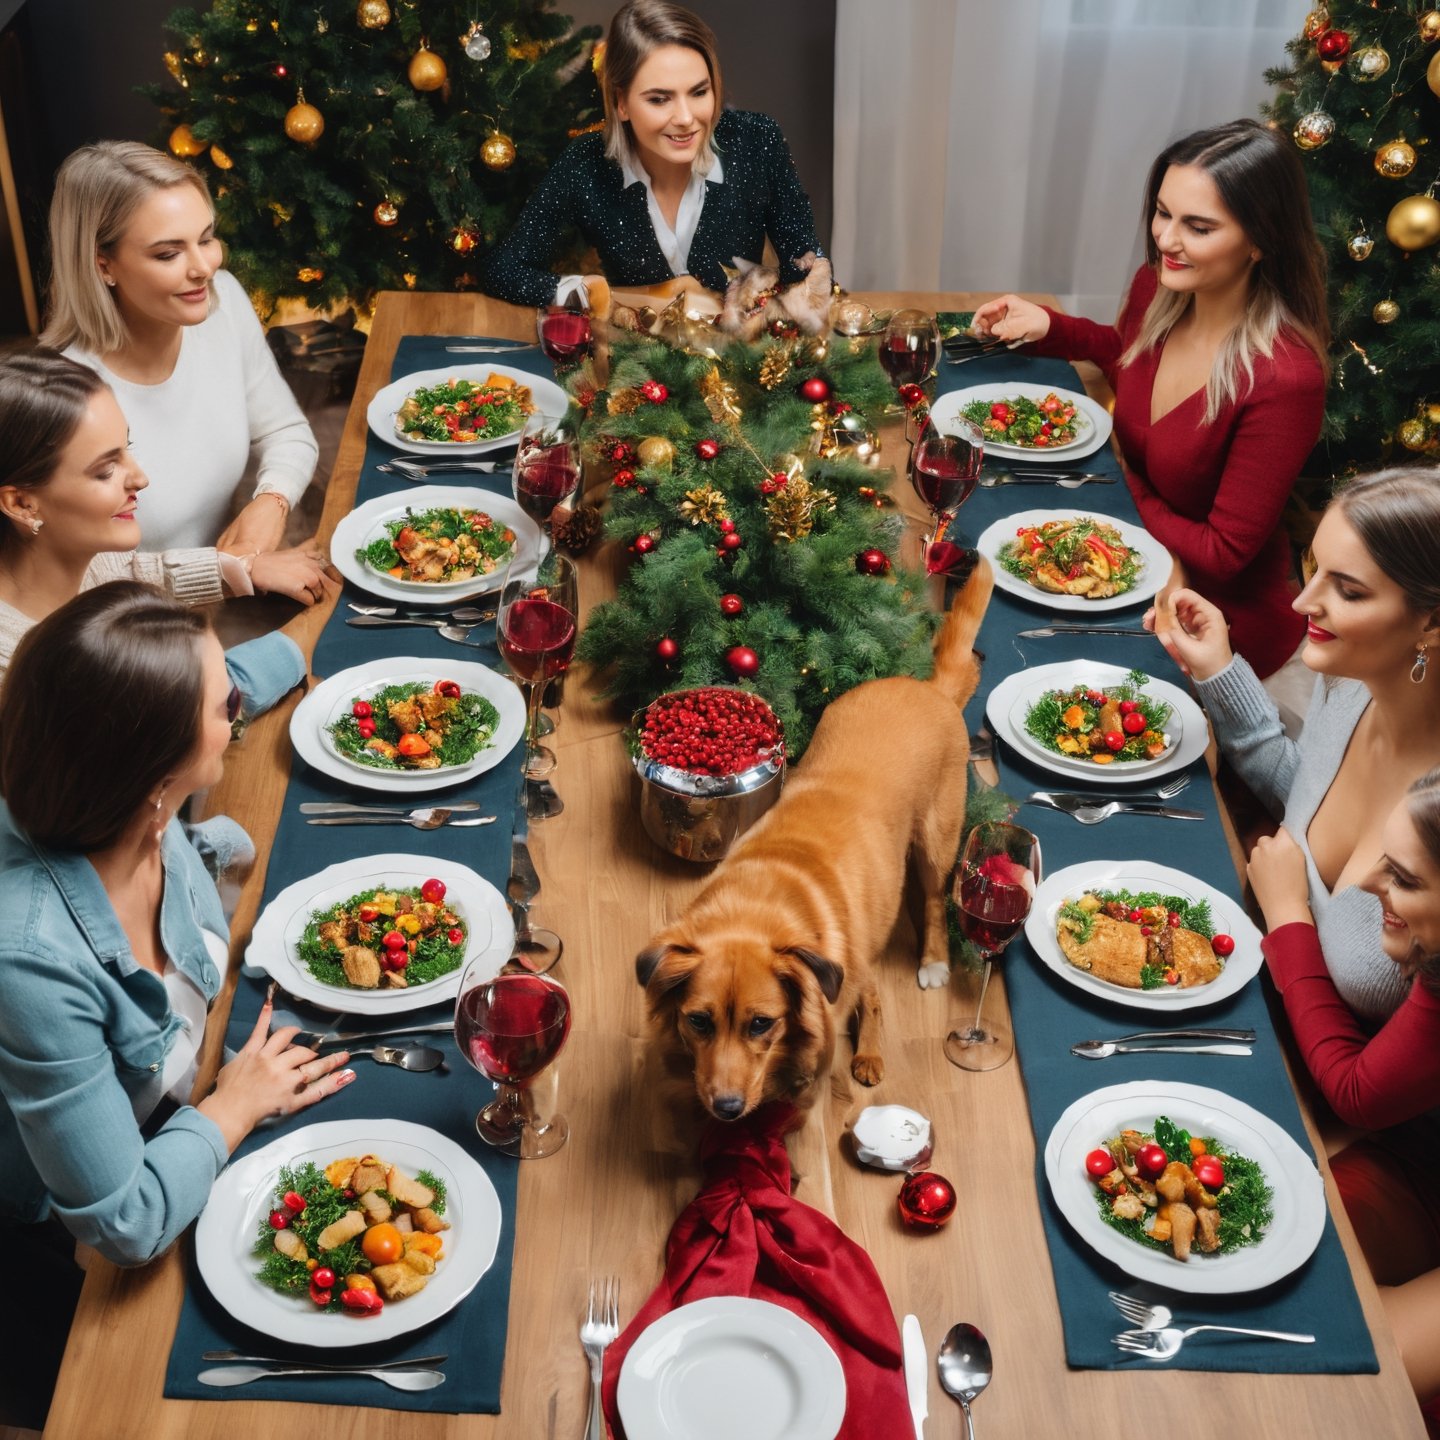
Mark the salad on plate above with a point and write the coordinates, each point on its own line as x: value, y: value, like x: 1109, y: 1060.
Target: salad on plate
x: 415, y: 726
x: 463, y: 411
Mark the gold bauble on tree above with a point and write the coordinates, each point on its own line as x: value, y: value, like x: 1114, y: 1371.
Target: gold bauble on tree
x: 184, y: 143
x: 427, y: 70
x: 1386, y: 312
x: 498, y: 151
x: 655, y: 452
x: 387, y: 212
x: 1432, y: 73
x: 1395, y: 159
x: 1369, y: 63
x: 220, y: 159
x: 372, y: 14
x: 1317, y: 22
x: 1429, y: 24
x: 1361, y: 245
x: 304, y: 123
x: 1313, y: 130
x: 1411, y: 434
x: 1414, y: 223
x: 1432, y: 412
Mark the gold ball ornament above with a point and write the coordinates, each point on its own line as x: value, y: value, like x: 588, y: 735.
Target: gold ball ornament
x: 498, y: 151
x: 1432, y: 412
x: 220, y: 159
x: 1412, y: 434
x: 1414, y: 223
x: 304, y: 123
x: 655, y: 452
x: 1317, y: 22
x: 184, y: 143
x: 1361, y: 245
x: 1432, y: 73
x: 386, y: 213
x: 427, y: 70
x: 1313, y: 130
x: 1429, y: 24
x: 1395, y: 159
x: 1386, y: 312
x: 308, y: 275
x: 1369, y: 63
x: 852, y: 317
x: 372, y: 14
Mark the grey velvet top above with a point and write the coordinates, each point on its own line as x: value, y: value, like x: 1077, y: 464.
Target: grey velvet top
x: 1292, y: 778
x: 760, y: 195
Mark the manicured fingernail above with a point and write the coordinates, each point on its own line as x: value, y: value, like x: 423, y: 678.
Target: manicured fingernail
x: 270, y: 994
x: 345, y: 1077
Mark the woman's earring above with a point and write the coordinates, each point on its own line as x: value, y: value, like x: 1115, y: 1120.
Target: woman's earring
x: 35, y: 525
x: 1422, y: 661
x: 160, y: 821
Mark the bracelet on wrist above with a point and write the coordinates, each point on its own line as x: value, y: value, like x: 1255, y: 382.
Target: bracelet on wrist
x: 274, y: 495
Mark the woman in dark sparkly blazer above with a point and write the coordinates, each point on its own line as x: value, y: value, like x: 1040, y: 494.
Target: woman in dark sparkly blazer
x: 674, y: 186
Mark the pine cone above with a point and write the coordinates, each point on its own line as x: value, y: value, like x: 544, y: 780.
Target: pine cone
x: 575, y: 529
x: 775, y: 366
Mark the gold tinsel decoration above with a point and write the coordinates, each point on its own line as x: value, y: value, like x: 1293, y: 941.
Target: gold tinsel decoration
x: 790, y: 512
x: 704, y: 506
x: 626, y: 401
x: 775, y: 366
x: 721, y: 398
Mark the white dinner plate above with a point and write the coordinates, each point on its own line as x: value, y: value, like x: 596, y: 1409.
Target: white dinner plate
x: 731, y: 1366
x: 333, y: 697
x: 1154, y: 571
x: 275, y: 941
x: 244, y: 1194
x: 1010, y: 701
x: 1241, y: 966
x: 367, y: 522
x: 1299, y: 1202
x: 545, y: 395
x: 1093, y: 422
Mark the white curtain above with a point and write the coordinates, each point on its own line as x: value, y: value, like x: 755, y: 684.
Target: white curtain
x: 1004, y: 144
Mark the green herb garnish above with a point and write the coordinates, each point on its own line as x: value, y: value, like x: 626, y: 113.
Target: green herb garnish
x: 467, y: 726
x: 433, y: 956
x: 461, y: 411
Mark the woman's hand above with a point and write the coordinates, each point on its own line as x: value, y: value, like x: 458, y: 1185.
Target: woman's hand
x: 259, y: 527
x: 1278, y: 879
x: 1013, y: 319
x: 301, y: 573
x: 270, y: 1076
x: 1196, y: 637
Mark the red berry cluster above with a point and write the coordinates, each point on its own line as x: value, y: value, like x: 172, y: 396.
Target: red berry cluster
x: 654, y: 392
x: 772, y: 483
x: 712, y: 731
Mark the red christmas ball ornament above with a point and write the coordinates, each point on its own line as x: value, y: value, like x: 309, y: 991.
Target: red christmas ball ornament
x: 910, y: 396
x: 743, y: 661
x: 654, y: 392
x: 623, y: 479
x: 643, y: 544
x: 872, y: 562
x: 731, y: 605
x: 707, y: 449
x: 726, y: 525
x: 1333, y: 45
x: 667, y: 649
x: 620, y: 453
x: 816, y: 389
x: 927, y: 1201
x: 731, y: 540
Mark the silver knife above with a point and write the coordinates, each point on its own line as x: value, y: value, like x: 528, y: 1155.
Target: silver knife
x: 339, y: 807
x: 917, y: 1373
x: 1103, y: 1050
x: 436, y: 467
x: 1044, y: 631
x: 489, y: 349
x: 397, y: 820
x: 350, y: 1037
x: 1243, y: 1036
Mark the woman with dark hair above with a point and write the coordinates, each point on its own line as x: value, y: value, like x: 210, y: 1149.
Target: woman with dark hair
x: 115, y: 709
x: 1388, y: 1082
x: 1371, y: 613
x: 673, y: 187
x: 1218, y: 364
x: 69, y: 494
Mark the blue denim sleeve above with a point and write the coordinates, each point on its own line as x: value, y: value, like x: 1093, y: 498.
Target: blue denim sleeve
x: 265, y: 670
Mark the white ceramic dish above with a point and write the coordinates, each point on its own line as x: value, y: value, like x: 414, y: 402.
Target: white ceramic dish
x: 1092, y: 429
x: 1241, y: 966
x: 1010, y: 701
x: 274, y: 944
x: 730, y: 1366
x: 333, y: 698
x: 367, y: 522
x: 545, y: 395
x: 243, y: 1195
x: 1299, y: 1202
x: 1154, y: 571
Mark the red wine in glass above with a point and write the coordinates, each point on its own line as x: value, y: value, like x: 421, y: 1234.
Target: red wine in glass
x: 546, y: 478
x: 944, y: 470
x: 991, y: 914
x: 537, y: 638
x: 565, y: 336
x: 906, y: 359
x: 511, y: 1028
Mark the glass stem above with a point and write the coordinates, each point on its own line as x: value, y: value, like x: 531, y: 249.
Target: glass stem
x: 536, y: 699
x: 975, y: 1029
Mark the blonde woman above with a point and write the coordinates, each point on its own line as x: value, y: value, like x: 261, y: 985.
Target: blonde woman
x: 137, y: 292
x: 1218, y: 364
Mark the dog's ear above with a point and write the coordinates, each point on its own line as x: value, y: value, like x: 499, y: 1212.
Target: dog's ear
x: 827, y: 972
x: 648, y: 967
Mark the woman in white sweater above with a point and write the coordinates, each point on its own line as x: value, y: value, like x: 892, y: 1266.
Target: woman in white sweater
x: 71, y: 501
x: 137, y: 291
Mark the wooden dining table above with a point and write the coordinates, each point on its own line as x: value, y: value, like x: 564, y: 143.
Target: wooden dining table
x: 605, y: 1203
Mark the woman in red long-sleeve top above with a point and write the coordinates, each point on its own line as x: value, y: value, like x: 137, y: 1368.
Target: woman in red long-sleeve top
x: 1387, y: 1082
x: 1218, y: 367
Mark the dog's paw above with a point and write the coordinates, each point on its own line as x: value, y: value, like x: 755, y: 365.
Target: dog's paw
x: 868, y: 1069
x: 934, y: 976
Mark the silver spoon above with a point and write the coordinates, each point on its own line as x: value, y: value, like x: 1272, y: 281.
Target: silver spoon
x: 396, y: 1379
x: 466, y: 614
x: 965, y: 1368
x: 408, y: 1057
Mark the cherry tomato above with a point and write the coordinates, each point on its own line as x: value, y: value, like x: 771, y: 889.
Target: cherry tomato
x: 382, y: 1244
x: 1102, y: 699
x: 1099, y: 1162
x: 450, y: 689
x: 279, y: 1219
x: 1047, y: 428
x: 362, y: 1302
x: 1133, y: 723
x: 294, y: 1202
x: 1040, y: 441
x: 1135, y: 916
x: 366, y: 728
x: 369, y: 914
x: 1172, y: 977
x: 433, y: 891
x: 1146, y: 931
x: 393, y: 940
x: 412, y: 745
x: 406, y: 539
x: 1223, y: 945
x: 456, y: 936
x: 1209, y: 1172
x: 1150, y: 1161
x: 319, y: 1296
x: 1127, y: 707
x: 999, y: 410
x: 361, y: 710
x: 1114, y: 740
x: 397, y: 959
x: 323, y: 1278
x: 1172, y: 920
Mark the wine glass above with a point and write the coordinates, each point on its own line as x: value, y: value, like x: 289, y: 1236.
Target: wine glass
x: 547, y: 466
x: 994, y: 885
x: 536, y: 631
x: 510, y: 1027
x: 945, y: 461
x: 909, y: 347
x: 565, y: 335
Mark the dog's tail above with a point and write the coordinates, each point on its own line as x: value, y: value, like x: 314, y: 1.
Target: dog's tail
x: 957, y: 672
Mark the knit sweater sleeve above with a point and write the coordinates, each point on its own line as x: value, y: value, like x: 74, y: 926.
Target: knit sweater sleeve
x: 1369, y: 1082
x: 518, y: 267
x: 1248, y: 729
x: 790, y: 222
x: 191, y: 576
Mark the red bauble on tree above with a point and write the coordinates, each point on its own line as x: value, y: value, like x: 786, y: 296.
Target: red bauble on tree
x: 731, y: 606
x: 654, y: 392
x: 623, y: 479
x: 707, y: 449
x: 643, y: 544
x: 726, y: 525
x: 910, y: 396
x: 620, y: 453
x: 1333, y: 45
x: 927, y: 1200
x: 731, y: 540
x: 667, y: 649
x: 743, y: 661
x: 816, y: 389
x: 872, y: 562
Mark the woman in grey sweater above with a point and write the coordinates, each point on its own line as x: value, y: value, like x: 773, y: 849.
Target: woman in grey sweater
x: 1372, y: 609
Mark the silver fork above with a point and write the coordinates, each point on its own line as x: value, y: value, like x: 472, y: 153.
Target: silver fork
x: 1087, y: 812
x: 420, y: 470
x: 1065, y: 482
x: 602, y: 1325
x: 1167, y: 791
x: 1139, y: 1314
x: 1164, y: 1344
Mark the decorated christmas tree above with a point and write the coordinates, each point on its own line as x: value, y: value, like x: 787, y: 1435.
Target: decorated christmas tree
x: 1362, y: 101
x: 379, y: 146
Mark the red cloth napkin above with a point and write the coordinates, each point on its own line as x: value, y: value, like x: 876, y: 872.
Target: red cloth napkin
x: 744, y: 1234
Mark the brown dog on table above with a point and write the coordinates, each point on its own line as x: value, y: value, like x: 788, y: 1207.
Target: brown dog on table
x: 748, y: 988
